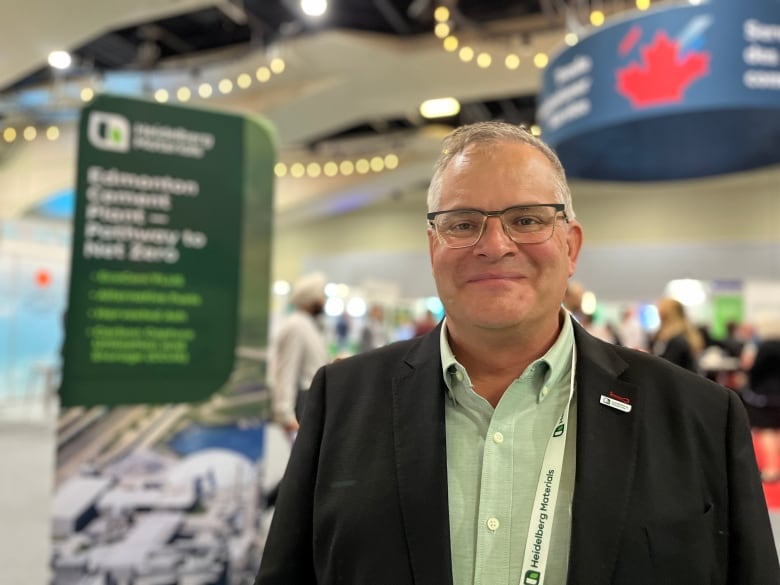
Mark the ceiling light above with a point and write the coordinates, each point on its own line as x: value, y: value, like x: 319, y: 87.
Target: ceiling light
x: 512, y: 61
x: 442, y: 30
x: 541, y: 60
x: 60, y: 59
x: 450, y: 44
x: 263, y: 74
x: 297, y: 170
x: 52, y: 133
x: 30, y: 133
x: 314, y: 7
x: 377, y: 164
x: 484, y: 60
x: 466, y: 54
x: 391, y: 161
x: 314, y: 170
x: 362, y: 166
x: 597, y: 18
x: 440, y: 108
x: 161, y: 95
x: 441, y: 14
x: 244, y: 80
x: 571, y: 38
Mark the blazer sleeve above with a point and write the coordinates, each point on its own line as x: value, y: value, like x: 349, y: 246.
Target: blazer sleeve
x: 288, y: 553
x: 752, y: 554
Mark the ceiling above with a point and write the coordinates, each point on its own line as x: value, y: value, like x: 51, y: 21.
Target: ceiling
x: 351, y: 86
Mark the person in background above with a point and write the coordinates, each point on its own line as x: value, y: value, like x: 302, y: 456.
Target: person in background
x: 508, y: 445
x: 630, y: 329
x: 374, y: 333
x: 343, y: 326
x: 425, y: 324
x: 298, y: 350
x: 677, y: 339
x: 599, y: 329
x: 572, y: 300
x: 762, y: 395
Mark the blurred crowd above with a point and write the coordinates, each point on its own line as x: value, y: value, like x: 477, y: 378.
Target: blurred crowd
x: 746, y: 359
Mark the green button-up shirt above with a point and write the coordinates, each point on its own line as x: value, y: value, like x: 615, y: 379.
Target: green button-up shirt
x: 494, y: 460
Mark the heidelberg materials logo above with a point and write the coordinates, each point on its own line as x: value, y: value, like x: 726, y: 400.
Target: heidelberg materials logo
x: 107, y: 131
x: 668, y: 67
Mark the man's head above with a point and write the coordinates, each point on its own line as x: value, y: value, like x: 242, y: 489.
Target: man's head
x: 490, y: 281
x: 308, y: 293
x: 487, y: 135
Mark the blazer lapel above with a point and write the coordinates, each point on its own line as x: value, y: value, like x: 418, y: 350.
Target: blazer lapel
x: 421, y: 461
x: 606, y: 461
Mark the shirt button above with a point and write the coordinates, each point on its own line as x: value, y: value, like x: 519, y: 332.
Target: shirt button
x: 545, y: 391
x: 492, y: 524
x: 498, y: 438
x: 459, y: 376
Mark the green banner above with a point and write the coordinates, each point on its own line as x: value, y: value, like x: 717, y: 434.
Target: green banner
x: 171, y: 236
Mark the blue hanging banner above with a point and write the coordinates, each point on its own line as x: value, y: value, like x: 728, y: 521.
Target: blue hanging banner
x: 674, y: 93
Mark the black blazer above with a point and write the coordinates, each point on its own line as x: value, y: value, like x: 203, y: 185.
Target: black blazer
x: 666, y: 494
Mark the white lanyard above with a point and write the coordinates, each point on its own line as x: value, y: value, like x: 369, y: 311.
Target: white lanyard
x: 537, y: 545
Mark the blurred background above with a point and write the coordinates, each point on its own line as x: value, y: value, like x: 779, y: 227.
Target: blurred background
x: 360, y: 94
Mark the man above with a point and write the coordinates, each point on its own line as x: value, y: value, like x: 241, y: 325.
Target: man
x: 508, y: 445
x: 298, y: 351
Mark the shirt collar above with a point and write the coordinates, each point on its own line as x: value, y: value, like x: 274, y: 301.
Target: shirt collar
x: 556, y: 362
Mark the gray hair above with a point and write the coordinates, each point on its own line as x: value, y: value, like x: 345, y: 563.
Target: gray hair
x: 491, y: 134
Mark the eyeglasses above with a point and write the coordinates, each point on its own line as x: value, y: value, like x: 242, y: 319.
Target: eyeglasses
x: 524, y: 224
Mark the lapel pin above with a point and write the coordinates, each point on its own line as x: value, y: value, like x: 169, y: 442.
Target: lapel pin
x: 617, y: 402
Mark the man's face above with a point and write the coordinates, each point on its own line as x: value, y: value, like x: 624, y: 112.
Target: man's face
x: 497, y: 284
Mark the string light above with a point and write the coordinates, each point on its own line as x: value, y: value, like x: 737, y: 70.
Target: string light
x: 204, y: 90
x: 29, y: 133
x: 362, y: 166
x: 443, y: 30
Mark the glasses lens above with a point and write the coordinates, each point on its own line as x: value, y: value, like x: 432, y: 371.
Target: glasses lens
x: 530, y: 224
x: 459, y: 228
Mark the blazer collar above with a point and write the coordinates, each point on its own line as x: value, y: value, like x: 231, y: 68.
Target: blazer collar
x: 421, y: 460
x: 606, y: 459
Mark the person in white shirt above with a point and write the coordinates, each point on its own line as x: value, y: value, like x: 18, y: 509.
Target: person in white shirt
x: 299, y: 349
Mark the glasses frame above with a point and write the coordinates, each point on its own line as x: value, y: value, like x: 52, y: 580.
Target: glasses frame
x: 559, y: 208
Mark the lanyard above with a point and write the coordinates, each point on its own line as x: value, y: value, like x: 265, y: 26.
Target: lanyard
x: 537, y: 545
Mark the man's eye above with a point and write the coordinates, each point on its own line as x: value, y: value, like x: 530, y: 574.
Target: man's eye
x: 463, y: 226
x: 527, y: 220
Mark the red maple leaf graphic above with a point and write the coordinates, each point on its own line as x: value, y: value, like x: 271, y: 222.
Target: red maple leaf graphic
x: 664, y: 76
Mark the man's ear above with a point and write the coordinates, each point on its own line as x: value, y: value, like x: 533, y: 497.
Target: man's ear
x: 574, y: 244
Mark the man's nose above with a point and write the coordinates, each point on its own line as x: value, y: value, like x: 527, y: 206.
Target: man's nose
x: 494, y: 235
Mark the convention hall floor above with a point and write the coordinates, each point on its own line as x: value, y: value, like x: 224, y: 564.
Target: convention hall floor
x: 26, y: 468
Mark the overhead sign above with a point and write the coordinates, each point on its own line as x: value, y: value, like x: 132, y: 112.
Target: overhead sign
x: 678, y: 92
x: 172, y: 206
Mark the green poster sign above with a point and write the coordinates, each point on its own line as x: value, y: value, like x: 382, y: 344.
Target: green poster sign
x: 171, y: 250
x: 726, y: 308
